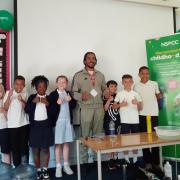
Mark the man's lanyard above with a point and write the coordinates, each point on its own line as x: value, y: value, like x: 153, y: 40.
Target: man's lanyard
x: 92, y: 78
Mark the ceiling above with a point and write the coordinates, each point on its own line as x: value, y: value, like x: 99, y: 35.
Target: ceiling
x: 169, y: 3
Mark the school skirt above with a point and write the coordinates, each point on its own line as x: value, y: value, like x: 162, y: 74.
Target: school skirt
x: 4, y: 141
x: 41, y: 135
x: 64, y: 131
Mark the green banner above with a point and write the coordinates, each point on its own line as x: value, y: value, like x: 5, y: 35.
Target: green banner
x: 163, y: 56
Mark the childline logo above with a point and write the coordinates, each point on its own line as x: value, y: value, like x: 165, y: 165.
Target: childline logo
x: 165, y: 57
x: 172, y: 43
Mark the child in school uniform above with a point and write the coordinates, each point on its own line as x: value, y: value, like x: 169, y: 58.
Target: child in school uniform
x: 41, y: 127
x: 129, y: 103
x: 62, y: 105
x: 4, y: 141
x: 111, y: 116
x: 17, y: 121
x: 150, y: 94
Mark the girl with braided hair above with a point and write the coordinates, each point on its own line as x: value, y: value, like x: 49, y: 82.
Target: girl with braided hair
x: 41, y: 127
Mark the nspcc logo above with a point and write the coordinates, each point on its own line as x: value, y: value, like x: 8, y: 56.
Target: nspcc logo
x: 170, y: 43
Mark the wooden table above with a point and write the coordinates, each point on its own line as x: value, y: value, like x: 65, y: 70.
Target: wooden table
x: 108, y: 144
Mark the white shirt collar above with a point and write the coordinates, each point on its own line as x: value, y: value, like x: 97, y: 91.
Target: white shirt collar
x: 145, y: 82
x: 127, y: 91
x: 60, y: 92
x: 41, y: 96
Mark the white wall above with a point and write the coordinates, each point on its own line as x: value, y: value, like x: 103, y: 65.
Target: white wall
x: 6, y: 5
x: 178, y: 21
x: 54, y: 35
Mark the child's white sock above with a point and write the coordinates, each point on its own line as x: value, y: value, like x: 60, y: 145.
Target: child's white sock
x: 115, y: 156
x: 135, y: 159
x: 58, y: 165
x: 66, y: 163
x: 126, y: 157
x: 38, y: 169
x: 120, y: 155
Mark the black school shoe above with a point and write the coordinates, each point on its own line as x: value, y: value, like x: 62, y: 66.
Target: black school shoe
x: 134, y: 172
x: 39, y: 175
x: 117, y: 163
x: 157, y: 171
x: 112, y: 165
x: 44, y: 174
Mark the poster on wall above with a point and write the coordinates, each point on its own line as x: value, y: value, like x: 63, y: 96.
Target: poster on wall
x: 5, y: 58
x: 163, y: 56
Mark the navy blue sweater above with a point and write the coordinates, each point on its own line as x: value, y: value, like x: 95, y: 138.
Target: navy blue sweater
x: 30, y: 110
x: 55, y: 108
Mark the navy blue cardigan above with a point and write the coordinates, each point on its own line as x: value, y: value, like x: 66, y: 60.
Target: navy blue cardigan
x: 53, y: 97
x: 30, y: 110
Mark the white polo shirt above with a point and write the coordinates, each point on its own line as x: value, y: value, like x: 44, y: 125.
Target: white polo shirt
x: 129, y: 114
x: 16, y: 115
x: 3, y: 120
x: 148, y: 93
